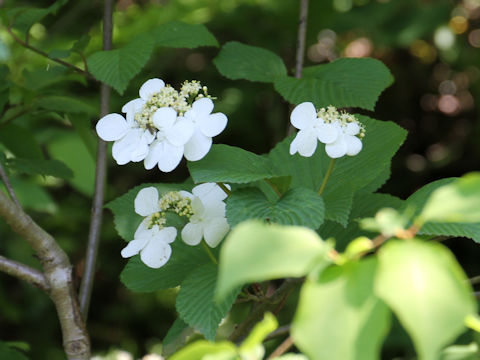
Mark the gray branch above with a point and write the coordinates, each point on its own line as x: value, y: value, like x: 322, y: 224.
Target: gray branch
x: 24, y: 272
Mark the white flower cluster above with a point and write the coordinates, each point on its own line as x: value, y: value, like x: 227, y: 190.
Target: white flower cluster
x: 340, y: 132
x: 204, y: 208
x: 163, y: 125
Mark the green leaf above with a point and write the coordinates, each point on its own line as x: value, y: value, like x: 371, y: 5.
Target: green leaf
x: 117, y: 67
x: 9, y: 353
x: 65, y: 104
x: 458, y: 201
x: 418, y: 200
x: 461, y: 352
x: 298, y: 206
x: 185, y: 259
x: 42, y: 167
x: 350, y: 174
x: 84, y: 130
x: 239, y: 61
x: 428, y: 291
x: 177, y: 34
x: 24, y: 17
x: 196, y: 304
x: 33, y: 196
x: 346, y: 82
x: 255, y: 251
x: 230, y: 164
x: 339, y: 317
x: 20, y: 141
x: 387, y: 221
x: 68, y: 148
x: 200, y: 349
x: 259, y: 333
x: 176, y: 337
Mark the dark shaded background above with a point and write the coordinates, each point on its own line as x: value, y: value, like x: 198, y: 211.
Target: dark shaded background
x: 430, y: 46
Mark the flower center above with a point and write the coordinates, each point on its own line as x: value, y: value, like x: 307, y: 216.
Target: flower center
x: 175, y: 202
x: 331, y: 115
x: 157, y: 218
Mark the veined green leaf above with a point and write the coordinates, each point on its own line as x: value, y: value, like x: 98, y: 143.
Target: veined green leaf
x: 240, y: 61
x: 20, y: 141
x: 345, y: 82
x: 54, y: 168
x: 177, y: 34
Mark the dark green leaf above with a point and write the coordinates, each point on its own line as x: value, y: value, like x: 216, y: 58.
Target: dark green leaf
x: 65, y: 104
x: 176, y: 337
x: 24, y: 17
x: 117, y: 67
x: 177, y: 34
x: 20, y: 141
x: 240, y: 61
x: 345, y: 82
x: 42, y: 167
x: 298, y: 206
x: 230, y: 164
x: 196, y: 304
x: 9, y: 353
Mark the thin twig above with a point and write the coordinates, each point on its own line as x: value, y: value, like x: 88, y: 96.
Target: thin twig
x: 282, y: 348
x: 8, y: 186
x: 284, y: 290
x: 300, y: 53
x: 281, y: 331
x: 100, y: 176
x: 26, y: 45
x: 474, y: 280
x: 24, y: 272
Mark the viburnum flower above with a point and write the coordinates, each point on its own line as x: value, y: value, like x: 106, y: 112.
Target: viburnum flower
x: 208, y: 220
x: 206, y: 125
x: 152, y: 240
x: 337, y: 130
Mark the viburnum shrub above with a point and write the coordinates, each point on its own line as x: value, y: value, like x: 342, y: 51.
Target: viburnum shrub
x: 306, y: 218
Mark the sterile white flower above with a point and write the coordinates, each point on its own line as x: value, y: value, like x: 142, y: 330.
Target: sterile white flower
x: 151, y: 239
x: 346, y: 143
x: 208, y: 220
x: 168, y: 147
x: 206, y: 125
x: 130, y: 141
x: 337, y: 130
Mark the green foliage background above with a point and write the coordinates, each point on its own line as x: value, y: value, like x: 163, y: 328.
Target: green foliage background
x: 55, y: 127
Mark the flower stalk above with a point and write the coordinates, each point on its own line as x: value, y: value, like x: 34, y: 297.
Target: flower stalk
x: 327, y: 176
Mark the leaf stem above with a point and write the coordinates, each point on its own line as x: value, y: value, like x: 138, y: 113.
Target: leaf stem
x: 209, y: 253
x: 282, y: 348
x: 8, y: 186
x: 224, y: 188
x: 327, y: 176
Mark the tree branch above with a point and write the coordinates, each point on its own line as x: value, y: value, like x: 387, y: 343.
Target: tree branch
x: 282, y: 348
x: 100, y: 176
x: 8, y: 186
x: 58, y: 275
x: 280, y: 294
x: 24, y: 272
x: 300, y: 54
x: 44, y: 54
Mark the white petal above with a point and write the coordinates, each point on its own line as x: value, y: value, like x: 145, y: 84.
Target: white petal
x: 156, y: 253
x: 164, y: 118
x: 112, y: 127
x: 142, y: 148
x: 151, y: 87
x: 303, y: 115
x: 198, y: 146
x: 210, y: 192
x: 186, y: 194
x: 354, y: 145
x: 169, y: 157
x: 336, y: 149
x: 133, y: 247
x: 180, y: 132
x: 202, y: 107
x: 153, y: 155
x: 215, y: 231
x: 213, y: 125
x: 142, y: 229
x: 293, y: 146
x: 146, y: 201
x: 123, y: 149
x: 131, y: 108
x: 306, y: 142
x: 214, y: 209
x: 192, y: 234
x: 351, y: 129
x: 327, y: 133
x: 169, y: 234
